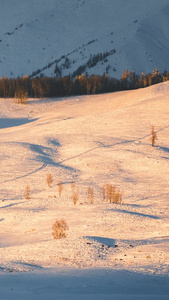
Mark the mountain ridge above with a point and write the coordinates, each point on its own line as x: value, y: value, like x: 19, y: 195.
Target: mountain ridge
x: 41, y: 37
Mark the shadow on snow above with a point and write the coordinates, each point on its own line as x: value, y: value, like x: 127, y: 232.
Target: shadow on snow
x: 13, y: 122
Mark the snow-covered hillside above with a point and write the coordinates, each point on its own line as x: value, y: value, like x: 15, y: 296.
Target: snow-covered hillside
x: 36, y: 35
x: 91, y: 141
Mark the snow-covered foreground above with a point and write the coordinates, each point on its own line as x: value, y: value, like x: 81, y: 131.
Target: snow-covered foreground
x: 84, y: 284
x: 91, y: 141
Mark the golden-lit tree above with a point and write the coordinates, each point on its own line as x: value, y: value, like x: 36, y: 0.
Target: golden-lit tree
x: 153, y: 137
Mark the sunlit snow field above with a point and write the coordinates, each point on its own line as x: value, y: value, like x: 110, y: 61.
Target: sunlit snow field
x: 112, y: 251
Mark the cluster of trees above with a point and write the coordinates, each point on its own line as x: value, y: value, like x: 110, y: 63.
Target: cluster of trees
x: 40, y: 87
x: 92, y: 62
x: 21, y: 88
x: 130, y: 80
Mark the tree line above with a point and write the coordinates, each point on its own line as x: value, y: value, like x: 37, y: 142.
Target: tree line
x: 39, y: 87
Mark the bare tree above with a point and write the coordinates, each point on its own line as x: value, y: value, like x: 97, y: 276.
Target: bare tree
x: 153, y: 136
x: 27, y: 192
x: 75, y: 193
x: 60, y: 188
x: 90, y: 195
x: 49, y: 180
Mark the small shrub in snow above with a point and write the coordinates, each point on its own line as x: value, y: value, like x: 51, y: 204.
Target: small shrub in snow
x: 27, y: 192
x: 90, y: 195
x: 60, y: 188
x: 49, y: 180
x: 59, y: 229
x: 75, y: 197
x: 75, y: 193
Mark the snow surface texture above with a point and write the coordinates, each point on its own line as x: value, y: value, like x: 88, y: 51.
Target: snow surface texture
x: 92, y: 141
x: 34, y: 34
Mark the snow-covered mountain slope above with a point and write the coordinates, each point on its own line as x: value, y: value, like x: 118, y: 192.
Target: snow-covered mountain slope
x: 92, y: 141
x: 36, y: 35
x: 120, y: 249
